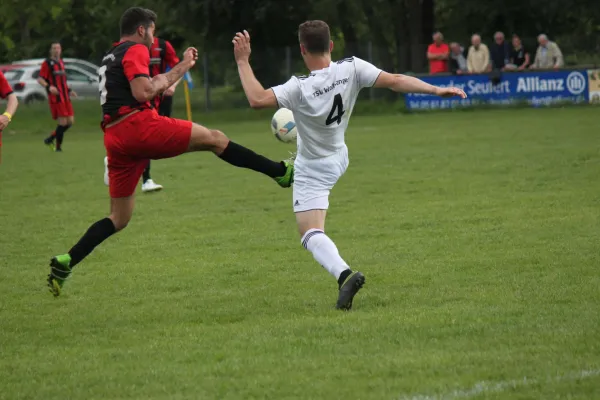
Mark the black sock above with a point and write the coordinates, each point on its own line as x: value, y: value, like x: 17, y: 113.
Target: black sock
x: 60, y: 134
x: 343, y: 276
x: 146, y: 174
x: 242, y: 157
x: 95, y: 235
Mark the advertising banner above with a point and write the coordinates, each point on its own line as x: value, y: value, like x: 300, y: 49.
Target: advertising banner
x: 536, y: 88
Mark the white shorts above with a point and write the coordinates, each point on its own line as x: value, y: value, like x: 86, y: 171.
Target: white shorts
x: 314, y: 179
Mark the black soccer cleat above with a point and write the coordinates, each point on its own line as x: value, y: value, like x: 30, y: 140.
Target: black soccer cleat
x: 348, y: 290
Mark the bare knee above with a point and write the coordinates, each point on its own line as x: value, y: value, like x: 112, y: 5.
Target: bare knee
x: 203, y: 139
x: 120, y: 222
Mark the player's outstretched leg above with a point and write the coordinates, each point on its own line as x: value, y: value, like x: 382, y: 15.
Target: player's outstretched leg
x: 203, y: 139
x: 311, y: 225
x: 62, y: 265
x: 148, y: 185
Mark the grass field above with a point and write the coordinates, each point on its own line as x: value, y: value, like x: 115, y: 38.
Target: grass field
x: 478, y: 233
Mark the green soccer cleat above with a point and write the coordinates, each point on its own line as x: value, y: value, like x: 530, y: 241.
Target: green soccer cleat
x: 50, y: 145
x: 348, y: 290
x: 286, y: 180
x: 59, y: 272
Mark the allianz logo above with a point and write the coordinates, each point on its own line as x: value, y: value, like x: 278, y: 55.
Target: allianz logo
x: 575, y: 84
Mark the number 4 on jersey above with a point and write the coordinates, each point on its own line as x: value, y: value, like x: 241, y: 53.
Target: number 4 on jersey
x: 337, y: 110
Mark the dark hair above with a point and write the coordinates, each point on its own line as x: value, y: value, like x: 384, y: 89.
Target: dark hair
x: 315, y: 36
x: 135, y: 17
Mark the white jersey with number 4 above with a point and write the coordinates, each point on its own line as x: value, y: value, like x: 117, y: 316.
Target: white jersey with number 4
x: 322, y: 103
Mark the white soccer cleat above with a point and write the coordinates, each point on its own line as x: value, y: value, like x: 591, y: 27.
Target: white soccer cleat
x: 106, y: 171
x: 150, y: 186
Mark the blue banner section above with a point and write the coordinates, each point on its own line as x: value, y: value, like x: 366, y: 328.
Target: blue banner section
x: 535, y: 88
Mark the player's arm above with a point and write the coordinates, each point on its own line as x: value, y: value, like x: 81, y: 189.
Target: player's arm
x: 6, y: 92
x: 136, y: 64
x: 257, y: 95
x: 172, y: 60
x: 44, y: 79
x: 409, y: 84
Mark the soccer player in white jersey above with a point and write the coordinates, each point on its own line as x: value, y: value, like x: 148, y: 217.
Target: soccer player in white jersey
x: 322, y: 103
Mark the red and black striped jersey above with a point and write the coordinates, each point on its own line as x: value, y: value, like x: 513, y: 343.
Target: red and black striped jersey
x: 53, y: 72
x: 5, y: 89
x: 122, y: 64
x: 162, y: 56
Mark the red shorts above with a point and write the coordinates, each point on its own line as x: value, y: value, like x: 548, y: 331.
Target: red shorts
x: 62, y: 109
x: 136, y: 140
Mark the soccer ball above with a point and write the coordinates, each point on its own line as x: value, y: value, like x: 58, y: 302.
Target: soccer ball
x: 283, y: 125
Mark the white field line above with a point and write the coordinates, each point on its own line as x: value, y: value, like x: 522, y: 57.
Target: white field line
x: 485, y: 387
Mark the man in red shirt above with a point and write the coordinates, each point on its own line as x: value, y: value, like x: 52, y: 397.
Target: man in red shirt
x: 54, y: 79
x: 6, y: 92
x: 162, y: 58
x: 437, y: 54
x: 134, y: 133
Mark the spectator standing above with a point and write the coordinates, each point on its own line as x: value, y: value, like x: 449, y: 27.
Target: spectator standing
x: 54, y: 79
x: 458, y: 62
x: 519, y: 56
x: 499, y: 52
x: 7, y: 93
x: 438, y: 54
x: 478, y: 58
x: 548, y: 55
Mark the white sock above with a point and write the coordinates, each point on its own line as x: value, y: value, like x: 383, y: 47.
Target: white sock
x: 324, y: 251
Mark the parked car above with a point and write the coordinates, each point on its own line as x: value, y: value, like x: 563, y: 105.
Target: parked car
x: 76, y: 62
x: 8, y: 67
x: 25, y: 85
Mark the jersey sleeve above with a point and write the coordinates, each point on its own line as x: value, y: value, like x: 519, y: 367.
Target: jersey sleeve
x: 289, y: 94
x: 170, y: 55
x: 45, y: 71
x: 366, y: 73
x: 5, y: 89
x: 136, y: 62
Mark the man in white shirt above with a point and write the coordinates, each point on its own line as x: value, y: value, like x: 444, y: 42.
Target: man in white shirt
x: 322, y: 103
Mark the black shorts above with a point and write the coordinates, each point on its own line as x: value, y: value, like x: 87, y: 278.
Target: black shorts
x: 165, y: 107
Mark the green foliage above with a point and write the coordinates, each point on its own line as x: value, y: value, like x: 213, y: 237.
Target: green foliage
x: 399, y: 29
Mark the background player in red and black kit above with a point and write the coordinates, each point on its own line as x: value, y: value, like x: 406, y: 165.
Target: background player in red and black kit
x: 6, y: 92
x: 134, y: 133
x: 54, y: 79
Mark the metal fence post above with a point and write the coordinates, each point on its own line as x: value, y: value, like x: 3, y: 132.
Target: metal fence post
x: 288, y: 62
x: 206, y: 83
x: 370, y: 57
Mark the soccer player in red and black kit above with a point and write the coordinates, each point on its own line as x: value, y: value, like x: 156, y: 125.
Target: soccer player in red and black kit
x: 134, y: 133
x: 6, y: 92
x: 54, y: 79
x: 162, y: 58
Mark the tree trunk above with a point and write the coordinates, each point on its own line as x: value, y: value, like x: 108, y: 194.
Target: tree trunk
x: 402, y: 37
x: 351, y: 44
x: 428, y: 14
x: 417, y: 45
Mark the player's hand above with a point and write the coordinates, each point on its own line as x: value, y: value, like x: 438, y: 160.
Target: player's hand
x: 450, y: 92
x: 241, y: 46
x: 53, y: 90
x: 3, y: 122
x: 170, y: 91
x: 190, y: 55
x: 74, y: 94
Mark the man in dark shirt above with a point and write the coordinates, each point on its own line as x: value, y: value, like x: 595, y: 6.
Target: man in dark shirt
x: 519, y: 56
x: 499, y: 52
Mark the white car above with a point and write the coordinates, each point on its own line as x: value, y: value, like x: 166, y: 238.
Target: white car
x: 24, y: 82
x: 76, y: 62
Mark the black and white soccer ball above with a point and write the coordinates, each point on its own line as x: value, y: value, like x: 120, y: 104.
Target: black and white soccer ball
x: 284, y: 126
